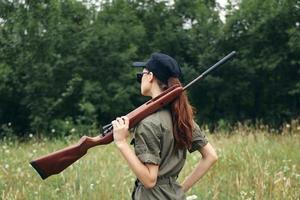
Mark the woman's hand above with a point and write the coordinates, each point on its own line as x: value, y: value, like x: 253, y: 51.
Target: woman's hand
x: 120, y: 129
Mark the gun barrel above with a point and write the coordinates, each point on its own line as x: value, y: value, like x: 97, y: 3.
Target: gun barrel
x: 219, y: 63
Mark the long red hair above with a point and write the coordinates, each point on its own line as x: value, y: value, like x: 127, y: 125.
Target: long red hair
x: 182, y: 117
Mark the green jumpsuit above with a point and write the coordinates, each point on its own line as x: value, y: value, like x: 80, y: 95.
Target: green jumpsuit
x: 154, y: 143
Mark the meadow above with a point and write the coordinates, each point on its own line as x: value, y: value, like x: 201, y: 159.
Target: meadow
x: 253, y: 164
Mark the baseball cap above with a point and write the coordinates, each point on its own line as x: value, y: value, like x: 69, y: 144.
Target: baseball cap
x: 162, y: 66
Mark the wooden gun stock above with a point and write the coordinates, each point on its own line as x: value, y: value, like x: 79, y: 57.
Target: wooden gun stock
x: 57, y: 161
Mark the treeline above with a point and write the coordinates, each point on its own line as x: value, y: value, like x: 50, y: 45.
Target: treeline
x: 67, y: 63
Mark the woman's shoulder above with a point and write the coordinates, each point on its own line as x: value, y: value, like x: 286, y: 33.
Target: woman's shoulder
x: 157, y: 117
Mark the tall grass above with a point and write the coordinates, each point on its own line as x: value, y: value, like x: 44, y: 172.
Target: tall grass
x: 253, y: 164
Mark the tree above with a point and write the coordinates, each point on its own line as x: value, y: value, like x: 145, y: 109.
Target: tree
x: 267, y: 69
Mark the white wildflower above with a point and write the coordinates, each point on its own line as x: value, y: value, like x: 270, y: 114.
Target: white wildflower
x: 73, y: 130
x: 243, y: 194
x: 91, y: 186
x: 53, y: 130
x: 192, y: 197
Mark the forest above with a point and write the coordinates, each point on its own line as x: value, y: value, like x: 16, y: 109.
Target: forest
x: 66, y: 65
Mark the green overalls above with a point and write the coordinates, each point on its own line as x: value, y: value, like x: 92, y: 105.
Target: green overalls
x: 154, y: 143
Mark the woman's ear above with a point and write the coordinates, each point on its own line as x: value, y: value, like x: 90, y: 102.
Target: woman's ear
x: 151, y: 77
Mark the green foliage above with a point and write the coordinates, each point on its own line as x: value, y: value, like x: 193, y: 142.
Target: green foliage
x: 71, y: 60
x: 264, y: 79
x: 6, y: 131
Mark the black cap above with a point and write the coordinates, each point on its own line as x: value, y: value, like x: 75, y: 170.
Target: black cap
x: 162, y: 66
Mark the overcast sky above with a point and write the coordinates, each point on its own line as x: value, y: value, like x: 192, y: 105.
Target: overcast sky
x: 222, y: 1
x: 223, y: 4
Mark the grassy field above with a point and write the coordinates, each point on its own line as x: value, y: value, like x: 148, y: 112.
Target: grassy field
x: 253, y: 164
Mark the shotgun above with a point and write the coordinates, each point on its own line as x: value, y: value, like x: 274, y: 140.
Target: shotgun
x: 56, y: 162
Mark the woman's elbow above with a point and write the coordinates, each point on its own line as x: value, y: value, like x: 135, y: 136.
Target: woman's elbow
x: 209, y: 154
x: 214, y: 158
x: 150, y: 178
x: 150, y: 183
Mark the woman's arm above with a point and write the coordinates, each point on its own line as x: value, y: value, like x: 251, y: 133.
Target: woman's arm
x: 209, y: 157
x: 146, y: 173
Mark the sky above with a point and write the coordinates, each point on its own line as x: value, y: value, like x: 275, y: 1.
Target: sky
x: 223, y: 3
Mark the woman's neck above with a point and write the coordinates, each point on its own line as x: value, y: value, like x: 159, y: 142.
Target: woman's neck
x: 156, y: 91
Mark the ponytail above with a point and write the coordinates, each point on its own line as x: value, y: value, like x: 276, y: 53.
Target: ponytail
x: 182, y: 117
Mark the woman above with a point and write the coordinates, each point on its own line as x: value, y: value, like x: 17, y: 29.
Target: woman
x: 162, y: 139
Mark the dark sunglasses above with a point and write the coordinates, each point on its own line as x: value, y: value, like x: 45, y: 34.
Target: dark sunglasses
x: 139, y: 76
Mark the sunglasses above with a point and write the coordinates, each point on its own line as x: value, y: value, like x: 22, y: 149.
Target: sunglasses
x: 139, y: 76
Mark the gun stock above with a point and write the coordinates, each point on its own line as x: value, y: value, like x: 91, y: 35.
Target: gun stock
x: 57, y: 161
